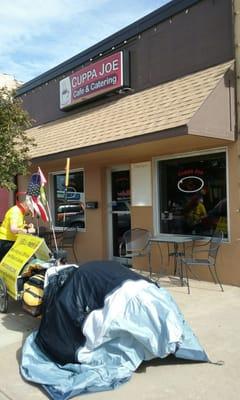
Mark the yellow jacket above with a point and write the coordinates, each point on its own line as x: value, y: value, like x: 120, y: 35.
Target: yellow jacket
x: 14, y: 216
x: 195, y: 216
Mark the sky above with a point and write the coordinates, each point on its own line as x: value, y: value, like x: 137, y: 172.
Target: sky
x: 37, y: 35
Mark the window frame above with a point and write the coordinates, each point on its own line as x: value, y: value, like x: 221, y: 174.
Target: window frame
x: 156, y: 189
x: 51, y: 196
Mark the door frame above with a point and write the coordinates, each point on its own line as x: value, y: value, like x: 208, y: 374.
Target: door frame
x: 114, y: 168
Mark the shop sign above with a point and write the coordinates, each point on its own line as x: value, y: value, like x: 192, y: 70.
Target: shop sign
x: 97, y: 78
x: 191, y: 180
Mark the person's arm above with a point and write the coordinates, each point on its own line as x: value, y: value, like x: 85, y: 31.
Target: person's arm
x: 26, y: 229
x: 15, y: 229
x: 203, y: 212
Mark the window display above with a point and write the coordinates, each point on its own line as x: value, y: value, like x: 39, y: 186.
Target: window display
x: 192, y: 194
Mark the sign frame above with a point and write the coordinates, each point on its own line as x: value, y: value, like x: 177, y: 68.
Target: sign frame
x: 83, y: 79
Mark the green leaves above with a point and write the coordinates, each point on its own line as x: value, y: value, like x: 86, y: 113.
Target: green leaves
x: 14, y: 141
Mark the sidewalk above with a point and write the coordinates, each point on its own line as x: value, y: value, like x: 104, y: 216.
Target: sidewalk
x: 214, y: 317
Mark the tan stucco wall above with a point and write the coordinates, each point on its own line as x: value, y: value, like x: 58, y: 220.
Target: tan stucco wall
x: 93, y: 243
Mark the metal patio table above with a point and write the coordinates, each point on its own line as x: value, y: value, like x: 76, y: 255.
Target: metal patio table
x: 176, y: 241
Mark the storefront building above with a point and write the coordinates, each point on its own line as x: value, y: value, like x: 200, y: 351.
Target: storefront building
x: 148, y: 118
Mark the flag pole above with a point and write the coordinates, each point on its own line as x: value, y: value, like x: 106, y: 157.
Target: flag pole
x: 52, y: 226
x: 44, y: 198
x: 67, y: 169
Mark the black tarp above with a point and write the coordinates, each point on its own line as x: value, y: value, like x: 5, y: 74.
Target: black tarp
x: 69, y: 298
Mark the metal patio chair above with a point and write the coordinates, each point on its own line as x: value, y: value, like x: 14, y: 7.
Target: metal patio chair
x: 136, y: 243
x: 67, y: 241
x: 45, y: 233
x: 213, y: 245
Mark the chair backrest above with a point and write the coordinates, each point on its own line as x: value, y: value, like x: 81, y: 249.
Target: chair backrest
x: 42, y: 230
x: 214, y: 245
x: 137, y: 240
x: 68, y: 237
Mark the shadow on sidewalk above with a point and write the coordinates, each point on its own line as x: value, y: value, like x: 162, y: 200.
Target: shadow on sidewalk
x: 164, y: 362
x: 18, y: 321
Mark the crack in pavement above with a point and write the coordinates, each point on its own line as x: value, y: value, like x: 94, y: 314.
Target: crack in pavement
x: 5, y: 395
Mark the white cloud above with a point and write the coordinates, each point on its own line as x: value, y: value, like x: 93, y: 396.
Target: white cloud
x: 36, y: 36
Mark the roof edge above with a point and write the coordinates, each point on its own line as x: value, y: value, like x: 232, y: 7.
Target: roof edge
x: 144, y: 23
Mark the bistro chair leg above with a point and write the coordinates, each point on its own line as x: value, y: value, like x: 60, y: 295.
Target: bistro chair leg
x: 212, y: 275
x: 187, y: 279
x: 150, y: 264
x: 75, y: 256
x: 217, y: 278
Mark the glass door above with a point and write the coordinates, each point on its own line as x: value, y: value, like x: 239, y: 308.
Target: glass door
x: 120, y: 207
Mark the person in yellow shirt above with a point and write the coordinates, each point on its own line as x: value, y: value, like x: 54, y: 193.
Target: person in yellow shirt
x: 13, y: 224
x: 195, y: 212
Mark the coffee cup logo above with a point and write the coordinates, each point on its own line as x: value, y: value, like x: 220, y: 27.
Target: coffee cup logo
x: 190, y: 184
x: 65, y: 92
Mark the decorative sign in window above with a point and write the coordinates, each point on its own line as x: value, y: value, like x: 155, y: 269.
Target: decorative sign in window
x: 97, y: 78
x: 190, y: 184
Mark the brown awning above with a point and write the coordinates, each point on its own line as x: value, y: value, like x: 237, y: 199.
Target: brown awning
x: 186, y: 103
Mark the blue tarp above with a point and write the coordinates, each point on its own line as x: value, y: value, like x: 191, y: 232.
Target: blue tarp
x: 139, y: 321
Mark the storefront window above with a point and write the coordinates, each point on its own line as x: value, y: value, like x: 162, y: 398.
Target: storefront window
x: 192, y: 195
x: 69, y: 204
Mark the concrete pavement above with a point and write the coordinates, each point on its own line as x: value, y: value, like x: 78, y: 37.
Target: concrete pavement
x: 214, y: 317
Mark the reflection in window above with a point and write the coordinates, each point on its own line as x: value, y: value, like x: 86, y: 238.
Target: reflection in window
x: 69, y: 205
x: 121, y: 219
x: 192, y: 195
